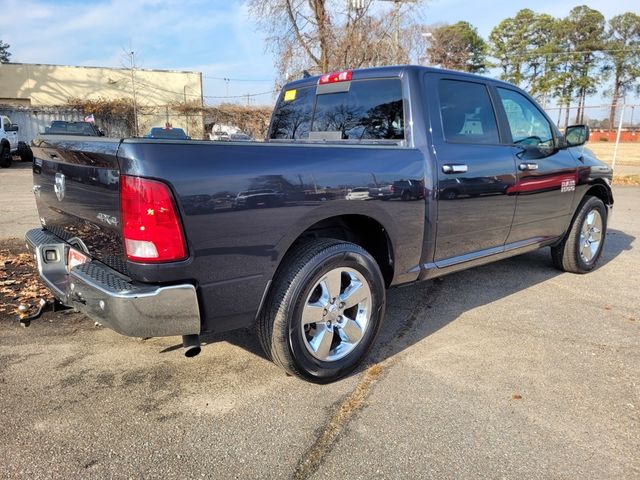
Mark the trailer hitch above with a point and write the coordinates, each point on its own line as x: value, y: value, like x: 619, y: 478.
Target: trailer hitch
x: 43, y: 306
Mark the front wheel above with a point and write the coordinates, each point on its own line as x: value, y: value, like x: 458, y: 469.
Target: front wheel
x: 5, y: 157
x: 581, y: 249
x: 324, y: 310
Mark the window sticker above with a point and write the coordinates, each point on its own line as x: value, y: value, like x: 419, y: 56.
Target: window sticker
x: 289, y: 95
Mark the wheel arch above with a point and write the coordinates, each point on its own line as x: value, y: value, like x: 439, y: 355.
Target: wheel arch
x: 601, y: 190
x: 375, y: 239
x: 365, y: 231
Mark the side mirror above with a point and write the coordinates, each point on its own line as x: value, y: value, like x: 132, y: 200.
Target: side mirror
x: 576, y: 135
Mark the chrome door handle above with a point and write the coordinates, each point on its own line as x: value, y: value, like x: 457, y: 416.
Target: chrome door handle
x: 454, y: 168
x: 528, y: 166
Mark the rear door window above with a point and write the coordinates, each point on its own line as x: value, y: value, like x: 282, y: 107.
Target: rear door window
x: 369, y: 110
x: 467, y: 113
x: 292, y: 117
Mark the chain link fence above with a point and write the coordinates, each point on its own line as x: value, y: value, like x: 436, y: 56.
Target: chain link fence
x: 615, y: 133
x: 32, y: 121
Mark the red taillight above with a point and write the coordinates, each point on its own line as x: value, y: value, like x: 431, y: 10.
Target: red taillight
x: 335, y: 77
x: 150, y: 224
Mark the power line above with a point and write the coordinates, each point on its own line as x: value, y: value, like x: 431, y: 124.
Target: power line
x: 207, y: 96
x: 228, y: 79
x: 570, y: 52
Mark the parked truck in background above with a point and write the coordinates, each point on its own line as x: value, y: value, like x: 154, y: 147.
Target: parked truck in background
x: 10, y: 144
x: 163, y: 248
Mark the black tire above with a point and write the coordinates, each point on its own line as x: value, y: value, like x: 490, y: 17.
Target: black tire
x: 26, y: 155
x: 5, y: 157
x: 406, y: 196
x: 567, y: 255
x: 279, y: 326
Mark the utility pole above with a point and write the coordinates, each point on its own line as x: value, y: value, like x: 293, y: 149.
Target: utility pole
x: 186, y: 115
x: 133, y: 88
x: 227, y: 80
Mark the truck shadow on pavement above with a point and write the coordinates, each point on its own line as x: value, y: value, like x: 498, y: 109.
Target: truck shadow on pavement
x: 20, y: 165
x: 416, y: 311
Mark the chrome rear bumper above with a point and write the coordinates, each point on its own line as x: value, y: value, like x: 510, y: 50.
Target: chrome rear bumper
x: 112, y: 299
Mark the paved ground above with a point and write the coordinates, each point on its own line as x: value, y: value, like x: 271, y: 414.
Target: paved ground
x: 17, y: 205
x: 509, y: 370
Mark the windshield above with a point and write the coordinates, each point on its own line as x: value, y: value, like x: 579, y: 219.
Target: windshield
x: 71, y: 128
x: 173, y: 133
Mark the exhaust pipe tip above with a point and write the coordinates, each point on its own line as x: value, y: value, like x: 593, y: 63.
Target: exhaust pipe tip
x: 191, y: 345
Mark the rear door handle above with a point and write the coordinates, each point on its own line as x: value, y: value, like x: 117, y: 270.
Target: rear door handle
x: 528, y: 166
x: 454, y: 168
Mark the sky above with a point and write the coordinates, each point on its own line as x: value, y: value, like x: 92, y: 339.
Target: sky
x: 215, y: 37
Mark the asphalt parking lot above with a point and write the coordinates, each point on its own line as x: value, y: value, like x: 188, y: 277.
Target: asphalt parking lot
x: 511, y: 370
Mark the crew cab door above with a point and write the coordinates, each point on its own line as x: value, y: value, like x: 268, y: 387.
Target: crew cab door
x: 475, y: 168
x: 546, y: 175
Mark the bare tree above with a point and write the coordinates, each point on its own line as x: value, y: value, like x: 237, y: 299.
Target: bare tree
x: 325, y: 35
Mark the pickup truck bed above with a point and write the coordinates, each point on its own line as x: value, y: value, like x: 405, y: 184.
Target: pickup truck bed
x: 266, y: 233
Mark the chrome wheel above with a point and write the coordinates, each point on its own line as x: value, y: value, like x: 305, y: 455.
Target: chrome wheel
x: 336, y: 314
x: 590, y: 236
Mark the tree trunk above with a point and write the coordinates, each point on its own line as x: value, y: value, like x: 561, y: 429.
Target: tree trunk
x: 579, y: 110
x: 559, y: 114
x: 614, y: 102
x: 320, y: 12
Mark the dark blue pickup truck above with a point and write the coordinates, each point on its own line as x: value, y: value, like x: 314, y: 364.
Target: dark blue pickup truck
x: 162, y: 237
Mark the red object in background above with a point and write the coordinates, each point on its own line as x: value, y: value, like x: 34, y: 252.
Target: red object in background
x: 610, y: 136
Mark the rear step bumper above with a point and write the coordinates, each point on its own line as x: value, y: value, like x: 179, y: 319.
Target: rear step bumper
x: 108, y: 297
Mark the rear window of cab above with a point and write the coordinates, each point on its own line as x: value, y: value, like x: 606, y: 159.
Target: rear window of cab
x: 369, y: 110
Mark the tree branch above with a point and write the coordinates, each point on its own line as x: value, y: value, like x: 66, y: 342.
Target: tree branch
x: 298, y: 34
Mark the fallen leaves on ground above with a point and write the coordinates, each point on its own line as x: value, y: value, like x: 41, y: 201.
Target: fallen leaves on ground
x: 19, y: 282
x: 626, y: 179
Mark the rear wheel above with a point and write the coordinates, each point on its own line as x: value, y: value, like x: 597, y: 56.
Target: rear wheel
x: 324, y: 310
x: 581, y: 249
x: 5, y: 157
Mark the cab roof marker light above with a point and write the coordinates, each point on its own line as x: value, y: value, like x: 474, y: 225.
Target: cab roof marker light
x: 335, y: 77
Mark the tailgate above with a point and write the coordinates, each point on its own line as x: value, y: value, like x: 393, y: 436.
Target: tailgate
x: 76, y: 184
